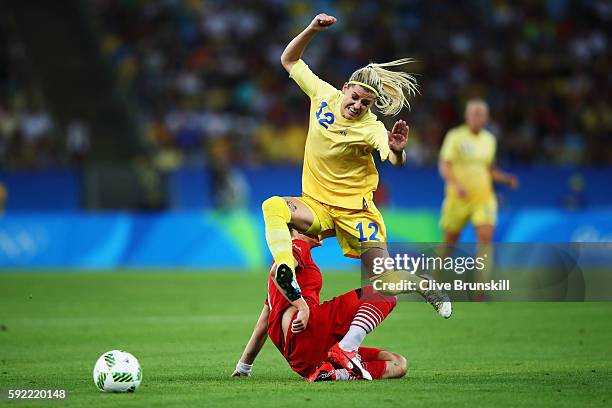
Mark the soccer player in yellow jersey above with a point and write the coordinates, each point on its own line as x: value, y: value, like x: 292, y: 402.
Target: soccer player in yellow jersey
x: 339, y: 175
x: 467, y: 165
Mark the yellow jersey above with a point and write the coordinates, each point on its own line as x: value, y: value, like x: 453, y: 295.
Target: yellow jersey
x: 471, y: 156
x: 338, y: 167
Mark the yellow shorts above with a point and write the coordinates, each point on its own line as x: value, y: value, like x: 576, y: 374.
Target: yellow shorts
x: 354, y: 229
x: 457, y: 212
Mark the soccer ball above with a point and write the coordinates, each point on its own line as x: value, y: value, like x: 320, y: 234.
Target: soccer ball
x: 117, y: 371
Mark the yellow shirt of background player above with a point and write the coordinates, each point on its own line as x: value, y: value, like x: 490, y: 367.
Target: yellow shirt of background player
x: 338, y: 168
x: 471, y: 157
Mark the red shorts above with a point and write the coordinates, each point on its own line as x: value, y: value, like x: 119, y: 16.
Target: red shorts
x: 327, y: 325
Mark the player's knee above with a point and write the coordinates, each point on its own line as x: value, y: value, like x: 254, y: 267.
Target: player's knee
x: 388, y: 284
x: 276, y: 206
x: 402, y: 365
x: 270, y: 204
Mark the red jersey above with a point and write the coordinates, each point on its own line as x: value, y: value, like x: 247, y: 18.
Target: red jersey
x: 310, y: 281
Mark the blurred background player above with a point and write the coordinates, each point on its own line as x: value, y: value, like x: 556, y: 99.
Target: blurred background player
x: 315, y: 346
x: 467, y: 165
x: 339, y: 175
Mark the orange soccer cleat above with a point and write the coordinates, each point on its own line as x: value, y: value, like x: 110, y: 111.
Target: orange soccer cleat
x: 325, y: 372
x: 349, y: 360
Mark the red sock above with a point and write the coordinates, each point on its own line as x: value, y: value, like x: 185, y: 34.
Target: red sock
x: 373, y: 310
x: 376, y: 368
x: 369, y: 353
x: 369, y: 295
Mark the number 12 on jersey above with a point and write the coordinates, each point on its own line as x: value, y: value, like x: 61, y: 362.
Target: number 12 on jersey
x: 373, y: 228
x: 324, y: 119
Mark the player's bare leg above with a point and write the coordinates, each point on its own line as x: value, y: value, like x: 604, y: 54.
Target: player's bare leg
x: 484, y: 233
x: 445, y: 249
x: 396, y: 365
x: 451, y: 237
x: 439, y: 300
x: 302, y: 218
x: 383, y: 364
x: 484, y: 236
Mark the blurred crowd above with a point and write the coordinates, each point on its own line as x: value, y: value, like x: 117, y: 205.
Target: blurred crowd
x: 208, y: 86
x: 26, y: 125
x: 207, y: 77
x: 29, y: 137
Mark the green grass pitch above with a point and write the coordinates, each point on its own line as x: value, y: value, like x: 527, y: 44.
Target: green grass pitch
x: 189, y: 329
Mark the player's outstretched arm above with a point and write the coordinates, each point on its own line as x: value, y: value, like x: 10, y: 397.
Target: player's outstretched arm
x: 398, y: 137
x: 253, y: 347
x: 294, y: 50
x: 499, y: 176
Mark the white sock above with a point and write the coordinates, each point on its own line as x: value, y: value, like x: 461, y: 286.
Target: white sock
x: 366, y: 319
x: 342, y: 375
x: 353, y: 338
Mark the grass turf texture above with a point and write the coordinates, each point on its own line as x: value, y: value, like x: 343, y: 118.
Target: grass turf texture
x: 189, y: 329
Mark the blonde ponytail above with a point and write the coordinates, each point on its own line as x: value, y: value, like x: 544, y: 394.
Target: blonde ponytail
x: 392, y: 88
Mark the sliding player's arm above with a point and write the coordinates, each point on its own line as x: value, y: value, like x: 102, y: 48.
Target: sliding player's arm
x: 499, y: 176
x: 253, y: 347
x: 294, y: 50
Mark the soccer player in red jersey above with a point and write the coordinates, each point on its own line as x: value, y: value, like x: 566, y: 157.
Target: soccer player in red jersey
x: 321, y: 342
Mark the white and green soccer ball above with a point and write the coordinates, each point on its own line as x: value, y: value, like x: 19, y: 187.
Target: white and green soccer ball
x: 117, y: 371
